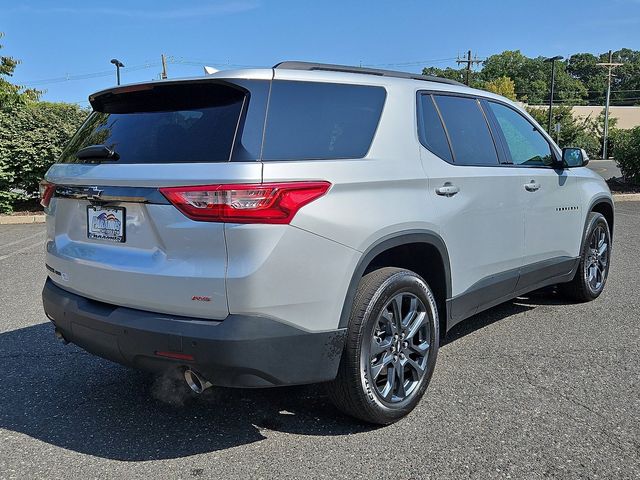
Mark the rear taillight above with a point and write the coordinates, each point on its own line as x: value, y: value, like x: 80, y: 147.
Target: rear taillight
x: 242, y: 203
x: 46, y: 192
x: 176, y: 355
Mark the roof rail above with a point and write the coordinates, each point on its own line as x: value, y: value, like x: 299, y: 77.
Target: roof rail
x: 367, y: 71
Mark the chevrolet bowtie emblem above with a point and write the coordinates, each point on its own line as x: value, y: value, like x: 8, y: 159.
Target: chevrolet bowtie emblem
x: 93, y: 193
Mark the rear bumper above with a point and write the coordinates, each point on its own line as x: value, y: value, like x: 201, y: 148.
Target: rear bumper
x: 241, y: 351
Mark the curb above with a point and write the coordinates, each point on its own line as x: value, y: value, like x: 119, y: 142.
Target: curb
x: 626, y: 197
x: 21, y: 219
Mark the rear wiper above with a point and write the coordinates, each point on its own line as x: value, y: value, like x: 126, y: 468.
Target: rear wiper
x: 98, y: 152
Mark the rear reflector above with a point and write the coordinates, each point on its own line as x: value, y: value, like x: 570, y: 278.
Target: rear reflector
x: 46, y: 192
x: 176, y: 355
x: 245, y: 203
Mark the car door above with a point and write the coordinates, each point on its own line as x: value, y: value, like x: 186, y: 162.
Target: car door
x: 552, y: 219
x: 476, y: 199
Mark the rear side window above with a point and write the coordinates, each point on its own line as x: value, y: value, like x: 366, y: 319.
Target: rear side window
x: 471, y: 140
x: 308, y: 120
x: 430, y: 129
x: 175, y: 123
x: 526, y: 144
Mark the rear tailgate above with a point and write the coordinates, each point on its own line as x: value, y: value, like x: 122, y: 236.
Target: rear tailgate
x: 157, y: 259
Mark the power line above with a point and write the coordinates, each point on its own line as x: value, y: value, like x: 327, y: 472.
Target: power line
x: 410, y: 64
x: 578, y: 93
x: 200, y: 62
x: 170, y: 59
x: 86, y: 76
x: 194, y: 62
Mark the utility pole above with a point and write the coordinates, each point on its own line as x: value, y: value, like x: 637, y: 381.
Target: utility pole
x: 470, y: 62
x: 610, y: 65
x: 553, y: 82
x: 163, y: 75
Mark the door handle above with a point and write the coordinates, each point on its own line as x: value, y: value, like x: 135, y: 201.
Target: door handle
x: 447, y: 190
x: 532, y: 186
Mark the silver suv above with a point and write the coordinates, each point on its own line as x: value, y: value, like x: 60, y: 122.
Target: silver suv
x: 310, y: 223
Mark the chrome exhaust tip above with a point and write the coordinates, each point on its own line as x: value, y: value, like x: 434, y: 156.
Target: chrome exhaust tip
x: 60, y: 336
x: 196, y: 383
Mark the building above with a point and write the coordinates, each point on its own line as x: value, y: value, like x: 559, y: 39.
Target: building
x: 628, y: 117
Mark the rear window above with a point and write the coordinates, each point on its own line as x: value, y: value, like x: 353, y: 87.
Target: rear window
x: 173, y: 123
x: 471, y: 140
x: 430, y: 129
x: 319, y: 121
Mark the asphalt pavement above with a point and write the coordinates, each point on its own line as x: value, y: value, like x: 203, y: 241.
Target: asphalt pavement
x: 534, y: 388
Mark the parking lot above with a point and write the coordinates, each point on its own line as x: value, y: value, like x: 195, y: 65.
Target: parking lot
x: 534, y: 388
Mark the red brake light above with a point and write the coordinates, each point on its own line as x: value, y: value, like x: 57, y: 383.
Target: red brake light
x: 46, y: 192
x: 176, y: 355
x: 245, y: 203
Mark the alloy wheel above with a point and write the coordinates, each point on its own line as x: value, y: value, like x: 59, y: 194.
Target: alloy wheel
x: 399, y: 348
x: 597, y: 262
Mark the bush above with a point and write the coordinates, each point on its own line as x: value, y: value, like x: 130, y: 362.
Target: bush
x: 626, y: 147
x: 32, y: 137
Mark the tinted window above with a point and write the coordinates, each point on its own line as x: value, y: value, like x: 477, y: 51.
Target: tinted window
x: 526, y: 144
x: 249, y: 138
x: 321, y: 120
x: 471, y: 140
x: 163, y: 124
x: 430, y: 129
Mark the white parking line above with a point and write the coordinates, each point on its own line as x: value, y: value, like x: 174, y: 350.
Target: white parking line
x: 20, y: 250
x: 22, y: 239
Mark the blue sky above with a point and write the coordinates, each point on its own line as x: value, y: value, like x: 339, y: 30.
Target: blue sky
x: 58, y: 41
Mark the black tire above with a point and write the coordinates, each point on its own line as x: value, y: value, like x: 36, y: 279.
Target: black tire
x: 368, y: 360
x: 583, y: 288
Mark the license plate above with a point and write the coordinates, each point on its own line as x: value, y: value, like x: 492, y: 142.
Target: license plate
x: 106, y: 223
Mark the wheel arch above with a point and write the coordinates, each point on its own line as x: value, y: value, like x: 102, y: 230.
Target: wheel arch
x: 421, y: 251
x: 604, y: 206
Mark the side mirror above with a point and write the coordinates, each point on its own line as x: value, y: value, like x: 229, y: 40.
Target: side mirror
x: 574, y: 157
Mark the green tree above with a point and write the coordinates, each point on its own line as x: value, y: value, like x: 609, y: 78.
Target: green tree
x: 528, y: 76
x: 502, y: 86
x: 32, y: 137
x: 456, y: 74
x: 625, y: 84
x: 583, y: 67
x: 532, y: 77
x: 579, y: 80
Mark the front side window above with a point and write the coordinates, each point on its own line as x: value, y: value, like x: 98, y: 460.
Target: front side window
x: 526, y: 144
x: 319, y: 121
x: 471, y: 140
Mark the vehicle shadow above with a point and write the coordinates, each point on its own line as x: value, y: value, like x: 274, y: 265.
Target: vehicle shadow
x: 63, y: 396
x: 546, y: 296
